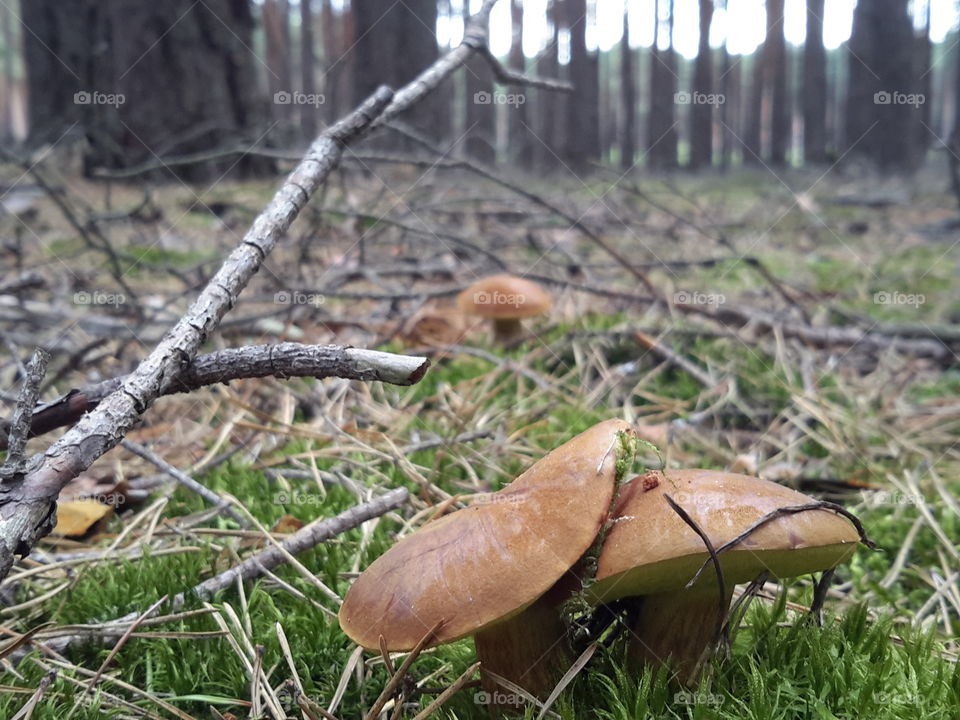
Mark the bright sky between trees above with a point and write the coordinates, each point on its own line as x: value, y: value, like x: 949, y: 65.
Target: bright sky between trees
x: 740, y: 25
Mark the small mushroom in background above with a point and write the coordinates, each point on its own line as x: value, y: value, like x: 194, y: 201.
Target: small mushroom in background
x: 506, y: 300
x: 491, y: 570
x: 650, y: 553
x: 435, y: 326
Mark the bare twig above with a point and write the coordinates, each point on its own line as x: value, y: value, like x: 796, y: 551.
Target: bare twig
x: 401, y: 672
x: 181, y: 477
x: 283, y: 360
x: 714, y: 558
x: 19, y: 429
x: 789, y: 510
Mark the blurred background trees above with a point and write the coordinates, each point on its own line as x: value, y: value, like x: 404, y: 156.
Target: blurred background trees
x: 659, y: 83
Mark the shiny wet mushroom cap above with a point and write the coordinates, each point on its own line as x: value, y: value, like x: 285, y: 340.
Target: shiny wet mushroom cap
x: 651, y: 552
x: 477, y: 567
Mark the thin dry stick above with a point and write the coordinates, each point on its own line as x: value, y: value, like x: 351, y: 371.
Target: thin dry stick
x: 401, y: 672
x: 26, y: 712
x: 447, y: 694
x: 714, y: 558
x: 122, y: 641
x: 22, y: 415
x: 789, y: 510
x: 282, y: 360
x: 188, y: 482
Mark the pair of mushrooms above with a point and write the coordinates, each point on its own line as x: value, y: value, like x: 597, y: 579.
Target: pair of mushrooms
x: 572, y: 528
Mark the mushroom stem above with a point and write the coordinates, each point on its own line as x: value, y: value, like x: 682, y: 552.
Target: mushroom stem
x: 506, y: 329
x: 529, y: 649
x: 677, y: 628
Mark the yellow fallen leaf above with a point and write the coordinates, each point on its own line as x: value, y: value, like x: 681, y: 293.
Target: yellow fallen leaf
x: 76, y: 517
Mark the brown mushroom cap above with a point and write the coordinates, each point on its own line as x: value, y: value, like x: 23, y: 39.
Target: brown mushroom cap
x: 484, y: 563
x: 504, y: 297
x: 650, y: 549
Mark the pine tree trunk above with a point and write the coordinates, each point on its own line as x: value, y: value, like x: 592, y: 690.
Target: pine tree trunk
x: 883, y: 107
x: 308, y: 112
x: 276, y: 29
x: 521, y: 144
x: 701, y: 111
x: 184, y: 82
x: 481, y: 131
x: 661, y: 130
x: 814, y: 87
x: 583, y: 104
x: 775, y: 58
x: 628, y: 99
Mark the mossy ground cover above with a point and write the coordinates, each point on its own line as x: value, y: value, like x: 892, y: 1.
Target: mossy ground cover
x: 887, y: 648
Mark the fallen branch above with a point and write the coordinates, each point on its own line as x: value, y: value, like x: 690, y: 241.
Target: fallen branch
x: 19, y: 428
x: 181, y: 477
x: 822, y: 337
x: 283, y: 360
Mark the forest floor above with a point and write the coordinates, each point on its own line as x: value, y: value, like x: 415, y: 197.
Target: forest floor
x: 748, y: 364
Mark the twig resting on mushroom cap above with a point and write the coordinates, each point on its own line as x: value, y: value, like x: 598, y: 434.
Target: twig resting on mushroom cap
x: 790, y: 510
x: 714, y: 558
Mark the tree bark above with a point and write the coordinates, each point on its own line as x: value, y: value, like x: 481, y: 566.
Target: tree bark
x: 583, y: 105
x: 548, y: 106
x: 481, y: 131
x: 628, y: 99
x: 882, y: 92
x: 701, y: 111
x: 924, y: 74
x: 6, y: 74
x: 308, y: 112
x: 814, y: 87
x: 753, y: 134
x: 184, y: 82
x: 661, y: 130
x: 775, y: 59
x: 521, y: 147
x: 276, y: 29
x: 730, y: 114
x: 394, y: 42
